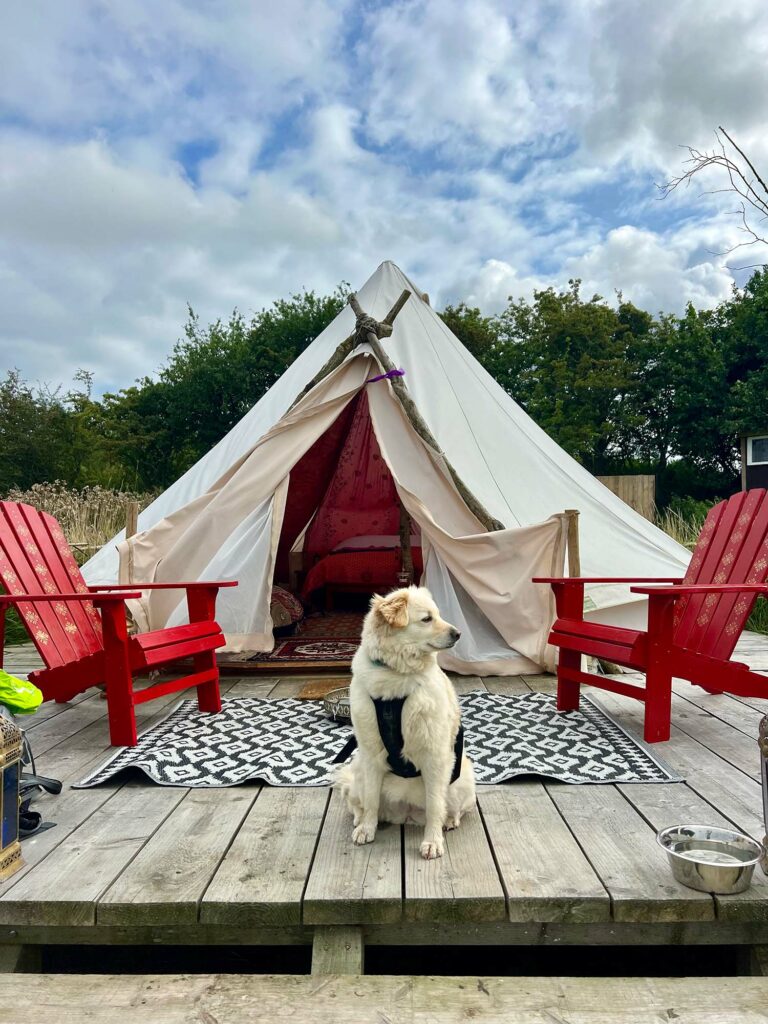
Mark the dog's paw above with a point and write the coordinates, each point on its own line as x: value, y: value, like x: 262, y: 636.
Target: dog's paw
x: 363, y: 834
x: 451, y: 823
x: 432, y: 848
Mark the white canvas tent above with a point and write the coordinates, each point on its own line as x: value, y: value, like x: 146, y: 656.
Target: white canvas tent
x: 223, y: 518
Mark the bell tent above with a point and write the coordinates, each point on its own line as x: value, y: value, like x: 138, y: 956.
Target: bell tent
x: 347, y: 456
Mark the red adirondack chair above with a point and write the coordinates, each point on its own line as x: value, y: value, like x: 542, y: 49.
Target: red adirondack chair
x: 83, y: 647
x: 693, y: 623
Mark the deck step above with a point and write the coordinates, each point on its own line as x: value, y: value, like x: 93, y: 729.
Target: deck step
x: 331, y: 999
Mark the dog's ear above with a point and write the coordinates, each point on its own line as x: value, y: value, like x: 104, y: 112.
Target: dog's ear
x: 393, y: 609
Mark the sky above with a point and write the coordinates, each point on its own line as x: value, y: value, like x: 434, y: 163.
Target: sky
x: 225, y: 154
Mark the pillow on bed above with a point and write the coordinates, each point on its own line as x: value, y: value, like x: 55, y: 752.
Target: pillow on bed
x: 374, y: 541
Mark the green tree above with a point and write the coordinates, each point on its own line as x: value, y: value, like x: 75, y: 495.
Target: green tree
x: 744, y: 325
x: 696, y: 369
x: 37, y: 436
x: 566, y: 361
x: 158, y: 428
x: 138, y: 444
x: 476, y: 332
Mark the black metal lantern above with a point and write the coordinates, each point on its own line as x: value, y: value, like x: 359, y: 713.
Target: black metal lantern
x: 10, y: 772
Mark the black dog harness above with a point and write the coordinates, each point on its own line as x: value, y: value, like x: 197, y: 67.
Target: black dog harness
x: 389, y: 716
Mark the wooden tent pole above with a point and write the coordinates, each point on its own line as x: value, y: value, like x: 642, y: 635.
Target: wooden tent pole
x: 574, y: 557
x: 346, y: 346
x: 420, y: 426
x: 131, y: 518
x: 406, y: 555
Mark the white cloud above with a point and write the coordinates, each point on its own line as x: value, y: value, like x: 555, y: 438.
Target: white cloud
x: 666, y: 75
x: 179, y: 63
x: 490, y: 148
x: 98, y: 261
x: 653, y: 272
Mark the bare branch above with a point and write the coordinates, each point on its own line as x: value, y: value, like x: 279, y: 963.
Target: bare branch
x: 744, y: 181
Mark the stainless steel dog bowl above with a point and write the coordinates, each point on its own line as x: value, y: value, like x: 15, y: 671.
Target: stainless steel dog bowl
x: 336, y: 703
x: 709, y: 858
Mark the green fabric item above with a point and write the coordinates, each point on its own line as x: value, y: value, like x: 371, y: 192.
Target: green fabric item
x: 18, y: 695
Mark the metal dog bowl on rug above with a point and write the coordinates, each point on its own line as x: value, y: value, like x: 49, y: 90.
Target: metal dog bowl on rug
x: 709, y: 858
x: 336, y: 703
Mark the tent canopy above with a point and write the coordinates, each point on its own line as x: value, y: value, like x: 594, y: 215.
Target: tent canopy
x: 238, y: 510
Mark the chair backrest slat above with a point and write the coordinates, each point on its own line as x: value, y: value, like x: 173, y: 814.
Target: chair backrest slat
x: 35, y: 559
x: 732, y: 548
x: 67, y: 576
x: 749, y: 566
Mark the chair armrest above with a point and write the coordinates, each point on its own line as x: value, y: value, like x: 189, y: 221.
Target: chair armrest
x: 703, y: 588
x: 198, y: 584
x: 95, y: 598
x: 607, y: 579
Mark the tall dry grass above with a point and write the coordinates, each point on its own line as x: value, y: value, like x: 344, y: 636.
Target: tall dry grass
x: 682, y: 527
x: 89, y: 516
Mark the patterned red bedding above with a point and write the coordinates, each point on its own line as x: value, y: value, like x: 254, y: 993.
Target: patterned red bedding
x: 377, y: 569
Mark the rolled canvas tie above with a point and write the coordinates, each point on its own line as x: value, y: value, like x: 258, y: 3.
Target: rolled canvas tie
x: 386, y: 376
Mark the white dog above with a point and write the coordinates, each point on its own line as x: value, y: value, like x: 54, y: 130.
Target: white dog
x: 409, y: 766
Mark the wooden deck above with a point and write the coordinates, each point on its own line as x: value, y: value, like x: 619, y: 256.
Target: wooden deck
x: 254, y: 999
x: 538, y: 863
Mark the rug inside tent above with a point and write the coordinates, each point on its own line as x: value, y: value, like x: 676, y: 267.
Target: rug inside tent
x: 325, y: 642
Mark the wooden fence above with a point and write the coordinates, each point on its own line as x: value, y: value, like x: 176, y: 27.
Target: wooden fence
x: 638, y: 490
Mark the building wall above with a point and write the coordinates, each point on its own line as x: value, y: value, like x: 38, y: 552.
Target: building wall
x: 756, y: 476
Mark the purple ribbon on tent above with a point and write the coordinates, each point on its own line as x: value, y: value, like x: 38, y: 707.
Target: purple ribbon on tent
x: 386, y: 376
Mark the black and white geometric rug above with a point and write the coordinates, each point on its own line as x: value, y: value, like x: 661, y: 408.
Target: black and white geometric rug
x: 292, y: 743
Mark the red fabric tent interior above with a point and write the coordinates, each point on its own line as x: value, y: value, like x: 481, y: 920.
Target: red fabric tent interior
x: 344, y: 486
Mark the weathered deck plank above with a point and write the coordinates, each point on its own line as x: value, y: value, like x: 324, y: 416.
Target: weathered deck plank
x: 165, y: 881
x: 55, y: 728
x: 723, y: 706
x: 70, y: 761
x: 505, y: 684
x: 21, y: 659
x: 466, y: 684
x: 338, y: 949
x: 623, y: 850
x: 735, y: 794
x: 545, y: 874
x: 260, y: 862
x: 262, y: 876
x: 351, y: 999
x: 731, y: 744
x: 64, y: 888
x: 462, y: 885
x: 351, y: 884
x: 50, y: 708
x: 664, y: 806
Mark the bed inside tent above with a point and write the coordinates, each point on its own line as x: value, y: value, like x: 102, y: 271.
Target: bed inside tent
x: 341, y: 530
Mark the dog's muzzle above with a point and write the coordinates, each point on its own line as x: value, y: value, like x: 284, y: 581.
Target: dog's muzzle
x: 451, y: 640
